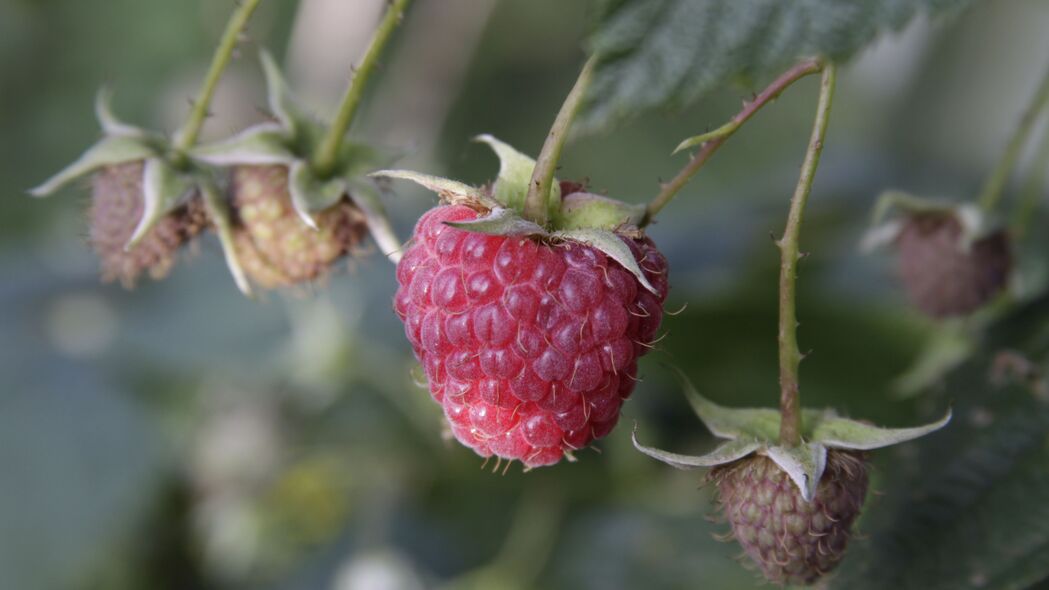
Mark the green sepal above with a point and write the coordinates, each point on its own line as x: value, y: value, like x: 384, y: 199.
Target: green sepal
x: 726, y: 452
x: 500, y: 222
x: 450, y: 191
x: 163, y: 189
x: 109, y: 151
x: 111, y: 124
x: 613, y: 247
x: 842, y: 433
x: 259, y: 145
x: 366, y: 197
x: 758, y: 428
x: 281, y: 102
x: 515, y: 172
x: 975, y: 223
x: 804, y: 464
x: 310, y: 193
x: 218, y: 210
x: 587, y: 210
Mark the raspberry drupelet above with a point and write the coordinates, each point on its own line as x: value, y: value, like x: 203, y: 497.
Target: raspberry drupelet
x: 530, y: 347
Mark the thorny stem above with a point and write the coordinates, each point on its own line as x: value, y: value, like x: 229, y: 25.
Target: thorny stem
x: 1033, y: 188
x: 713, y: 140
x: 996, y: 181
x: 187, y: 136
x: 789, y: 356
x: 328, y: 152
x: 538, y: 196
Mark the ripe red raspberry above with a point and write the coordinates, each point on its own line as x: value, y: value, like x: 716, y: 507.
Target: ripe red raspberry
x: 792, y: 541
x: 530, y: 347
x: 941, y: 277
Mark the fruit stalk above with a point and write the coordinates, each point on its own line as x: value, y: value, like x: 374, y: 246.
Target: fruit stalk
x: 995, y: 183
x: 1032, y: 190
x: 328, y: 151
x: 713, y: 140
x: 187, y: 136
x: 789, y: 356
x: 538, y: 196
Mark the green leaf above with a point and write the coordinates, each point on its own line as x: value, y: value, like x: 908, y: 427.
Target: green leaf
x: 660, y: 53
x: 367, y: 199
x: 611, y: 245
x: 804, y: 464
x: 163, y: 189
x: 310, y: 194
x: 218, y: 211
x: 450, y: 191
x: 849, y: 434
x: 110, y: 150
x: 260, y: 145
x: 727, y: 452
x: 500, y: 222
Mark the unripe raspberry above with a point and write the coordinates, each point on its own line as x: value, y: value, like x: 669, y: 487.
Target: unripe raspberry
x: 276, y: 248
x: 116, y: 208
x: 943, y: 276
x: 792, y: 541
x: 530, y: 347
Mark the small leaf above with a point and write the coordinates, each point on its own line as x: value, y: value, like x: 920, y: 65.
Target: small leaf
x: 110, y: 150
x: 849, y: 434
x: 310, y: 194
x: 726, y: 129
x: 260, y: 145
x: 111, y: 125
x: 218, y: 211
x: 583, y: 210
x: 281, y: 102
x: 725, y: 453
x: 366, y: 197
x: 450, y: 191
x: 500, y: 222
x: 163, y: 189
x: 804, y: 464
x: 515, y: 172
x: 611, y: 245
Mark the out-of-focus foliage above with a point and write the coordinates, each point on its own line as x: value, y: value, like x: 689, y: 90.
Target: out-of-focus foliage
x: 657, y: 53
x: 180, y: 436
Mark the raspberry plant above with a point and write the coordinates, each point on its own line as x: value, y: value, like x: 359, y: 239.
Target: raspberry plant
x: 529, y: 301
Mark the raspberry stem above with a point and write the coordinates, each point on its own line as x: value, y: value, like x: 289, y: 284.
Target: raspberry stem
x: 789, y: 356
x: 328, y: 152
x: 1032, y: 190
x: 537, y: 201
x: 713, y: 140
x: 996, y: 181
x: 187, y: 135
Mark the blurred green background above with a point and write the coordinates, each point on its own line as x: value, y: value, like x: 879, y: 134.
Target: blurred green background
x: 181, y: 436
